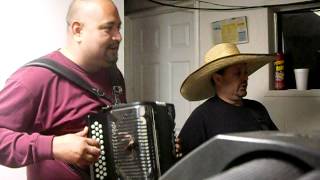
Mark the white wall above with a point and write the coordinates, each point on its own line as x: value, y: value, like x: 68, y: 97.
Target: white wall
x: 30, y: 29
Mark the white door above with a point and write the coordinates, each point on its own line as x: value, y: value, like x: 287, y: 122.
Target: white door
x: 162, y: 55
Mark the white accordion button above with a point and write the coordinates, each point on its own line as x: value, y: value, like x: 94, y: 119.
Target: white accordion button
x: 142, y: 111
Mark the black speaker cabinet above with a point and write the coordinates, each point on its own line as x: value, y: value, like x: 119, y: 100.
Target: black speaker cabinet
x: 224, y: 152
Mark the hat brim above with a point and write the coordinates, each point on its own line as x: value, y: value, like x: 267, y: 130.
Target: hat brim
x: 197, y: 86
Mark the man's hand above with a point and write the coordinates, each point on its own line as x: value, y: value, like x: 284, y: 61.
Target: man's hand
x: 76, y: 148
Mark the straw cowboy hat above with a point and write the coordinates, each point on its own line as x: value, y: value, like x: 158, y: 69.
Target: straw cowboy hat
x: 198, y: 86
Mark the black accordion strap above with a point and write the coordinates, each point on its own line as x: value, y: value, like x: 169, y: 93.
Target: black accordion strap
x: 69, y: 75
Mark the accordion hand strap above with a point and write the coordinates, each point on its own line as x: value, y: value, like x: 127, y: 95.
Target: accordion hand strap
x: 69, y: 75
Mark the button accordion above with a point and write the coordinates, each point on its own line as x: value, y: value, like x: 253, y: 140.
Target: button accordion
x: 136, y: 140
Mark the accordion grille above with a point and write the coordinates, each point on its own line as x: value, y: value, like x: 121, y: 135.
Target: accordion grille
x: 133, y: 145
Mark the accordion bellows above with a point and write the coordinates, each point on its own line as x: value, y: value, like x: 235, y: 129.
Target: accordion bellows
x: 136, y: 140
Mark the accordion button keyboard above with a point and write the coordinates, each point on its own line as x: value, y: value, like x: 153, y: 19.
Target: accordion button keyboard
x: 100, y: 165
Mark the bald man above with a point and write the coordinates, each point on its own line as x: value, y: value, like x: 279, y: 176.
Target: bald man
x: 43, y: 116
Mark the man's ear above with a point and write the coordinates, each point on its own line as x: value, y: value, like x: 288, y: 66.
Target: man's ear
x: 217, y: 78
x: 76, y: 29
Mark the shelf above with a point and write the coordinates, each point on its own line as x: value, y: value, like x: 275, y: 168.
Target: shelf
x: 293, y: 93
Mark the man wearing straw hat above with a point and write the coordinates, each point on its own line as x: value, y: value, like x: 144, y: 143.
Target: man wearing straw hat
x: 223, y: 79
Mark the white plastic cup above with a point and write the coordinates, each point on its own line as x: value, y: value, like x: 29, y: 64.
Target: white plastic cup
x: 301, y: 76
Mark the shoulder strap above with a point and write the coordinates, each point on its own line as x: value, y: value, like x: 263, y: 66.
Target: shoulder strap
x: 69, y: 75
